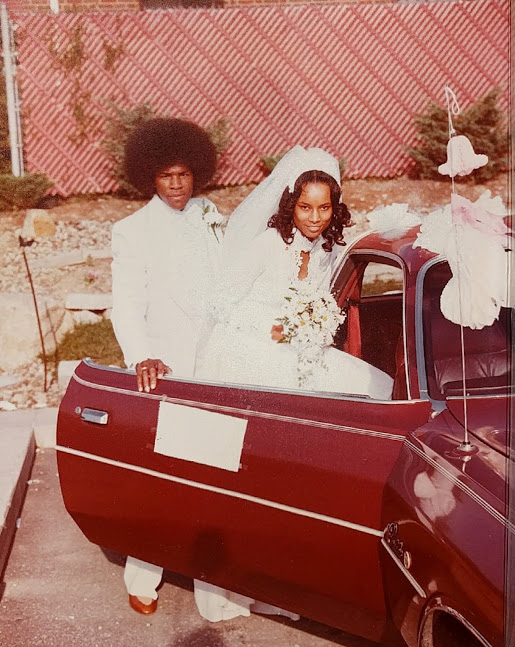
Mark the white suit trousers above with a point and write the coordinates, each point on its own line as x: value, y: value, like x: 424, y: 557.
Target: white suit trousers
x: 214, y: 604
x: 142, y: 578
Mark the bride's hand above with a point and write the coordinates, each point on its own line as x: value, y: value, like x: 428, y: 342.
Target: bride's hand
x: 277, y: 333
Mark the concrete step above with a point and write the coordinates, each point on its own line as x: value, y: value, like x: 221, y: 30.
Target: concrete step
x: 21, y: 431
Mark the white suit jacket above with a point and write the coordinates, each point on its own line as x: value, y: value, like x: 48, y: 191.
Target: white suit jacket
x: 164, y: 262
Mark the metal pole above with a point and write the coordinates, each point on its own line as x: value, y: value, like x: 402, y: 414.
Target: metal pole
x: 26, y: 243
x: 18, y: 132
x: 11, y: 95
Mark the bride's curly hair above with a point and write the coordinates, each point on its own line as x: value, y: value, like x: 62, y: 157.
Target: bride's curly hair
x: 283, y: 219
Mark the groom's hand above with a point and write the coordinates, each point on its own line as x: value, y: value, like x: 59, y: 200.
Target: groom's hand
x: 148, y: 372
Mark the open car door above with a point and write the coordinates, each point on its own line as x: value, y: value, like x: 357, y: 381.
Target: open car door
x: 272, y: 494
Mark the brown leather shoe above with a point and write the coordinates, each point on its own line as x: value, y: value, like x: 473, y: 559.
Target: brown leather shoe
x: 141, y: 607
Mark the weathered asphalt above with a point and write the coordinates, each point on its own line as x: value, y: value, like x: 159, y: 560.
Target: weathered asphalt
x: 59, y: 590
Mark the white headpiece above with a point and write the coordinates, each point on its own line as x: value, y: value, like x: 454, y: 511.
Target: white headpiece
x: 251, y: 217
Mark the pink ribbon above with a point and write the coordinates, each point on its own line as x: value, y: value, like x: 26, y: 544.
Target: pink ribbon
x: 466, y: 213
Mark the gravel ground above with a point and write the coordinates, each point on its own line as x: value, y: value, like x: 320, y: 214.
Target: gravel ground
x: 84, y: 223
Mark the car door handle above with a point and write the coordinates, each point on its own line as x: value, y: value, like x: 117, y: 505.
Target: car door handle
x: 94, y: 415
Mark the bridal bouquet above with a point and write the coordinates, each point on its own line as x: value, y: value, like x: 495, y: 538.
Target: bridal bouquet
x: 310, y: 318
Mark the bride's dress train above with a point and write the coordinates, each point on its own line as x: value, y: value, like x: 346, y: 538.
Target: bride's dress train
x: 215, y: 604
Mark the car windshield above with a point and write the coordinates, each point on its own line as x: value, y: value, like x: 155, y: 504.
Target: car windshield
x: 487, y: 356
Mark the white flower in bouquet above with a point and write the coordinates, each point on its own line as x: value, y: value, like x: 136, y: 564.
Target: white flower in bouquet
x: 310, y: 318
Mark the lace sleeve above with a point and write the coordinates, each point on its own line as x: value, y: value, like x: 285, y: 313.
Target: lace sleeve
x: 238, y: 275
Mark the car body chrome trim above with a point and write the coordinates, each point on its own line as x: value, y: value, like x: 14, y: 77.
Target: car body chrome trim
x: 241, y: 412
x: 404, y: 570
x: 218, y: 490
x: 326, y: 395
x: 437, y: 606
x: 464, y: 488
x: 346, y: 252
x: 400, y: 263
x: 419, y: 328
x: 94, y: 416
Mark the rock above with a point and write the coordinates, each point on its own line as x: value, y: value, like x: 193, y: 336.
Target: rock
x: 67, y: 323
x: 19, y: 334
x: 38, y: 223
x: 88, y: 301
x: 105, y: 252
x: 7, y: 406
x: 85, y: 317
x: 7, y: 380
x: 19, y: 399
x: 44, y: 427
x: 74, y: 257
x: 65, y: 371
x: 60, y: 259
x: 40, y: 400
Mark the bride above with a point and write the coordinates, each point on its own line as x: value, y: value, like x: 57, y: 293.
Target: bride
x: 287, y: 234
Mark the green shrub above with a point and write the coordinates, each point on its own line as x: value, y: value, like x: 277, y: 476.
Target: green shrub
x: 96, y: 341
x: 218, y: 132
x: 268, y: 162
x: 167, y: 4
x: 381, y: 286
x: 122, y: 123
x: 23, y: 192
x: 5, y: 147
x: 484, y: 123
x: 117, y: 131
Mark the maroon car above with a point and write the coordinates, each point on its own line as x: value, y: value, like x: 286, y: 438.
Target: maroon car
x: 387, y: 519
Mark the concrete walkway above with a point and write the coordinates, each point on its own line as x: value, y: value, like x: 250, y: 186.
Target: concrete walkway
x: 60, y: 590
x: 20, y: 432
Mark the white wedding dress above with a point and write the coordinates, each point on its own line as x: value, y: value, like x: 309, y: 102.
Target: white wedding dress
x: 236, y: 347
x: 243, y: 308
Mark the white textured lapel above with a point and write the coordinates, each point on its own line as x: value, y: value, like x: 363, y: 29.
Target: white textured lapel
x: 174, y: 254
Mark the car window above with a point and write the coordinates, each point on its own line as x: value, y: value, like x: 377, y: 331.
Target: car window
x: 379, y: 278
x: 370, y: 287
x: 486, y: 350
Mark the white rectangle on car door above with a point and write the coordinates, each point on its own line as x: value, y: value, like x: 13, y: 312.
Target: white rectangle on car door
x: 200, y: 436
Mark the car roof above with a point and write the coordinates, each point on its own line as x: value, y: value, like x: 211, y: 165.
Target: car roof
x: 399, y: 244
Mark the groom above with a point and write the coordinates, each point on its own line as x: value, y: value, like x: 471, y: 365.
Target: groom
x: 164, y: 258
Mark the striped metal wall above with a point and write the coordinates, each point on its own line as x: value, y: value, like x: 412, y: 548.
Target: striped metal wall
x: 346, y: 77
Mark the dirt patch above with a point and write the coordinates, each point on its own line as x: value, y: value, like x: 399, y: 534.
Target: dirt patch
x: 85, y: 223
x: 359, y: 195
x: 421, y: 195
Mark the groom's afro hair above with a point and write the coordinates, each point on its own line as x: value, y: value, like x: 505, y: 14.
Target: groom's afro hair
x: 158, y: 143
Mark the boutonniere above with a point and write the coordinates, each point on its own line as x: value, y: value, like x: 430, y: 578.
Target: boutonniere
x: 213, y: 219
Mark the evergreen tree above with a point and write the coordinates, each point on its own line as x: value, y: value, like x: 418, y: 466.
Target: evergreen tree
x: 484, y: 124
x: 118, y: 128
